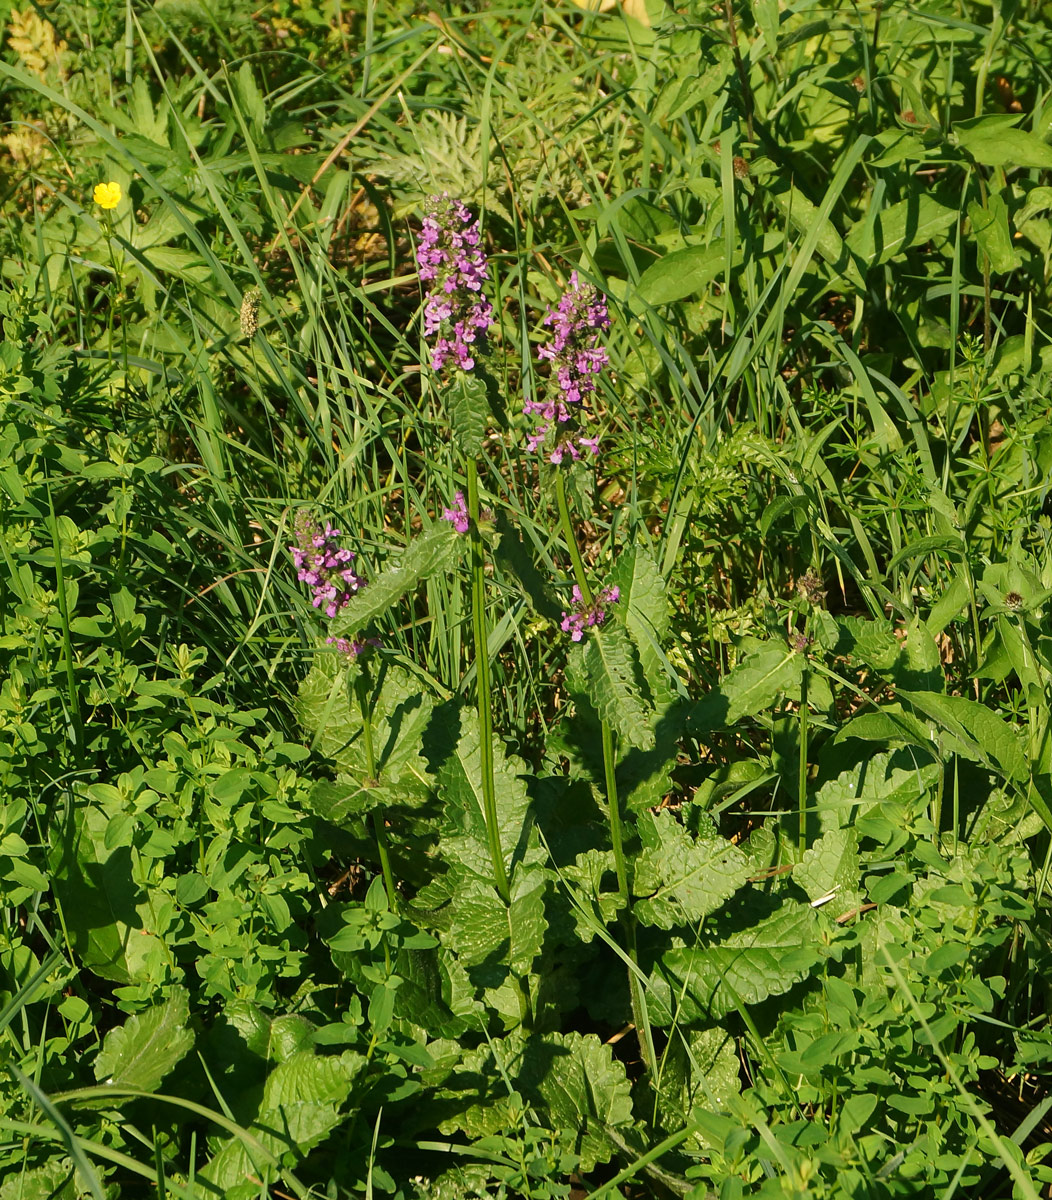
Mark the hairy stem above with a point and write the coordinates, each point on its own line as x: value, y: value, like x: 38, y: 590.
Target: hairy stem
x: 361, y: 687
x: 639, y: 1009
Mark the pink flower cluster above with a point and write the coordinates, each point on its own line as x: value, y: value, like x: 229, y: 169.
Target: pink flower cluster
x: 450, y: 259
x: 352, y: 647
x: 587, y: 616
x: 576, y: 359
x: 323, y: 564
x: 457, y: 516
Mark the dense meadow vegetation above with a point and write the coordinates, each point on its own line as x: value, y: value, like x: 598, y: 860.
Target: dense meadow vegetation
x: 526, y: 599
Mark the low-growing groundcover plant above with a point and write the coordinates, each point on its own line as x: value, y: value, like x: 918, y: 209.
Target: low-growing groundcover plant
x: 524, y: 604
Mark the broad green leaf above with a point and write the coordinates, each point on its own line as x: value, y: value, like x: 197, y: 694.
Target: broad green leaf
x: 972, y: 730
x: 752, y: 686
x: 609, y: 674
x: 432, y: 551
x: 644, y: 609
x: 328, y: 706
x: 680, y: 273
x: 992, y: 233
x: 486, y: 930
x: 802, y: 215
x: 301, y: 1105
x: 765, y: 958
x: 910, y: 222
x: 840, y: 802
x: 97, y: 884
x: 699, y: 1070
x: 992, y: 141
x: 585, y: 878
x: 464, y: 842
x: 831, y: 865
x: 682, y: 878
x: 583, y: 1089
x: 467, y: 408
x: 141, y: 1052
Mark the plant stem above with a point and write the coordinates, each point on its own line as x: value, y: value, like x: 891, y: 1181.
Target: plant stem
x: 485, y: 698
x: 801, y: 783
x: 639, y: 1010
x: 361, y: 687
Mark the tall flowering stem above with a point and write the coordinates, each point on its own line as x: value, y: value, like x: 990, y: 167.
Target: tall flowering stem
x: 576, y: 360
x: 451, y: 261
x: 325, y: 566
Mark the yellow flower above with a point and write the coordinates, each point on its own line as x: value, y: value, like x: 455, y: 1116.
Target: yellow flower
x: 107, y: 195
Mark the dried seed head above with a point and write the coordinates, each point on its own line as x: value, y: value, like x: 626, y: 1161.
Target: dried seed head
x: 250, y: 312
x: 810, y: 587
x: 1013, y: 601
x: 858, y: 83
x: 741, y: 167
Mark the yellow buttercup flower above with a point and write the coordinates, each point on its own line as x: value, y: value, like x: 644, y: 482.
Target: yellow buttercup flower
x: 107, y: 195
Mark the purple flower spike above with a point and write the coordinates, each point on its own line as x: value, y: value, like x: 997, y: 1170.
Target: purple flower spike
x: 323, y: 564
x: 457, y: 516
x: 576, y: 359
x: 586, y: 616
x: 450, y: 259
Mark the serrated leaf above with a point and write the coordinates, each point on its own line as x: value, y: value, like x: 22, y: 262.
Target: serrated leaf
x: 301, y: 1105
x: 467, y: 407
x: 751, y: 961
x: 328, y: 706
x: 486, y: 930
x: 683, y: 878
x: 585, y: 877
x: 141, y: 1052
x: 430, y: 552
x: 464, y: 841
x: 644, y: 609
x: 830, y: 865
x: 609, y: 676
x: 752, y: 686
x: 583, y: 1089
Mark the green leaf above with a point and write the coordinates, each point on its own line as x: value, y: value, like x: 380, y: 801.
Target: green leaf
x: 485, y: 929
x: 760, y: 958
x: 464, y: 843
x: 972, y: 730
x: 141, y: 1052
x: 432, y: 551
x: 301, y: 1105
x: 752, y: 686
x: 514, y: 558
x: 400, y: 712
x: 609, y: 675
x: 467, y: 407
x: 97, y: 884
x: 802, y: 215
x: 644, y: 609
x: 991, y: 231
x: 910, y: 222
x: 681, y: 877
x: 831, y: 865
x: 992, y: 141
x: 680, y: 273
x: 583, y: 1088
